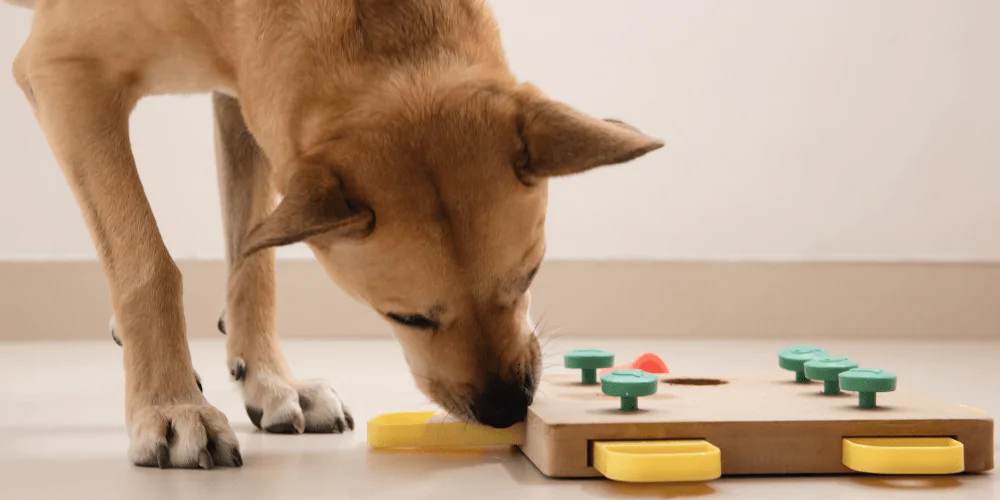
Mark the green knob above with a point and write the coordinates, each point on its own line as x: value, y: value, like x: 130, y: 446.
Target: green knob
x: 867, y: 382
x: 588, y: 361
x: 794, y: 357
x: 629, y: 385
x: 828, y: 370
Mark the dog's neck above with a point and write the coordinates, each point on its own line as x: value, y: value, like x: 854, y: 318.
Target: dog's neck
x: 295, y: 85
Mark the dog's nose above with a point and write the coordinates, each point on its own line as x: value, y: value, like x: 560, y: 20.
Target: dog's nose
x: 502, y: 405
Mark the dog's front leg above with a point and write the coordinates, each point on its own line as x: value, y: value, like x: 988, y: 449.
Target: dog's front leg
x: 275, y: 400
x: 84, y: 112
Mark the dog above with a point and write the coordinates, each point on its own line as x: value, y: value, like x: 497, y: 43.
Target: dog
x: 389, y: 136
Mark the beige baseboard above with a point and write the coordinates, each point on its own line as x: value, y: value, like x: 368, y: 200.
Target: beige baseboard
x: 69, y: 300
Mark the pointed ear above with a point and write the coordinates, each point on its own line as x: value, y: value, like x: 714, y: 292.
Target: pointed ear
x: 313, y: 204
x: 562, y: 141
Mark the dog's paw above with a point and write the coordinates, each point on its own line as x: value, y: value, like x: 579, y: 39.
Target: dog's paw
x: 278, y: 404
x: 182, y: 436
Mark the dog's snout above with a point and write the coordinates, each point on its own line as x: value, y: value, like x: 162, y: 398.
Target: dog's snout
x: 502, y: 404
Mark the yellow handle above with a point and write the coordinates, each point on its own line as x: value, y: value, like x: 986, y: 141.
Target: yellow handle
x: 923, y: 456
x: 666, y: 461
x: 430, y: 429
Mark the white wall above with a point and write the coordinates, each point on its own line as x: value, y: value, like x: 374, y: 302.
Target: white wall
x: 799, y: 130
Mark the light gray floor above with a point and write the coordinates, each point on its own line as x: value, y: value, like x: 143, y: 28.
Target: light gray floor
x: 62, y: 431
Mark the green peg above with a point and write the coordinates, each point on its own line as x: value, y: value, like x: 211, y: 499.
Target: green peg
x: 828, y: 370
x: 794, y: 357
x: 588, y: 361
x: 867, y: 382
x: 629, y: 385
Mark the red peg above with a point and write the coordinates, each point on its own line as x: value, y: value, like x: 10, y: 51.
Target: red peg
x: 647, y: 362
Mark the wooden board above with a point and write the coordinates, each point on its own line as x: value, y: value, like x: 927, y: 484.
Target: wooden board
x: 764, y: 424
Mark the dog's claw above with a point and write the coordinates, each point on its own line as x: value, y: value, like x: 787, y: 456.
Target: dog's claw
x: 205, y: 460
x: 238, y: 369
x: 221, y: 325
x: 283, y: 428
x: 255, y: 414
x: 114, y: 331
x: 163, y: 456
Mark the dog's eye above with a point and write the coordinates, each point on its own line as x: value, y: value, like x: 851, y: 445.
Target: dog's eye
x: 531, y: 275
x: 525, y: 283
x: 413, y: 321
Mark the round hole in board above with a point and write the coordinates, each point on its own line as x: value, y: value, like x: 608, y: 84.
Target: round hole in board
x: 695, y: 381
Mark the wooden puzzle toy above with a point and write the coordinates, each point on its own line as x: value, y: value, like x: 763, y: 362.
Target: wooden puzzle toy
x: 635, y: 426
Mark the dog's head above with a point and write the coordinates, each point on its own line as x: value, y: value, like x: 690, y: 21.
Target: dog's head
x: 429, y: 205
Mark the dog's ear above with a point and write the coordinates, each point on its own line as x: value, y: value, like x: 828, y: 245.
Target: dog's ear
x: 562, y: 141
x: 313, y: 204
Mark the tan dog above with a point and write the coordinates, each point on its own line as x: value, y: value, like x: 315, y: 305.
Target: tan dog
x: 408, y: 159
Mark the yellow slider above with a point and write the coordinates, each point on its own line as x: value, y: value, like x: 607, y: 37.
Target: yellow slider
x: 429, y: 429
x: 913, y: 455
x: 664, y: 461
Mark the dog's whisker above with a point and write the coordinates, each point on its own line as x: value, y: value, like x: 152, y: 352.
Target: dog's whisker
x: 553, y: 334
x: 545, y: 331
x: 548, y: 351
x: 538, y: 331
x: 541, y: 320
x: 449, y: 407
x: 468, y: 416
